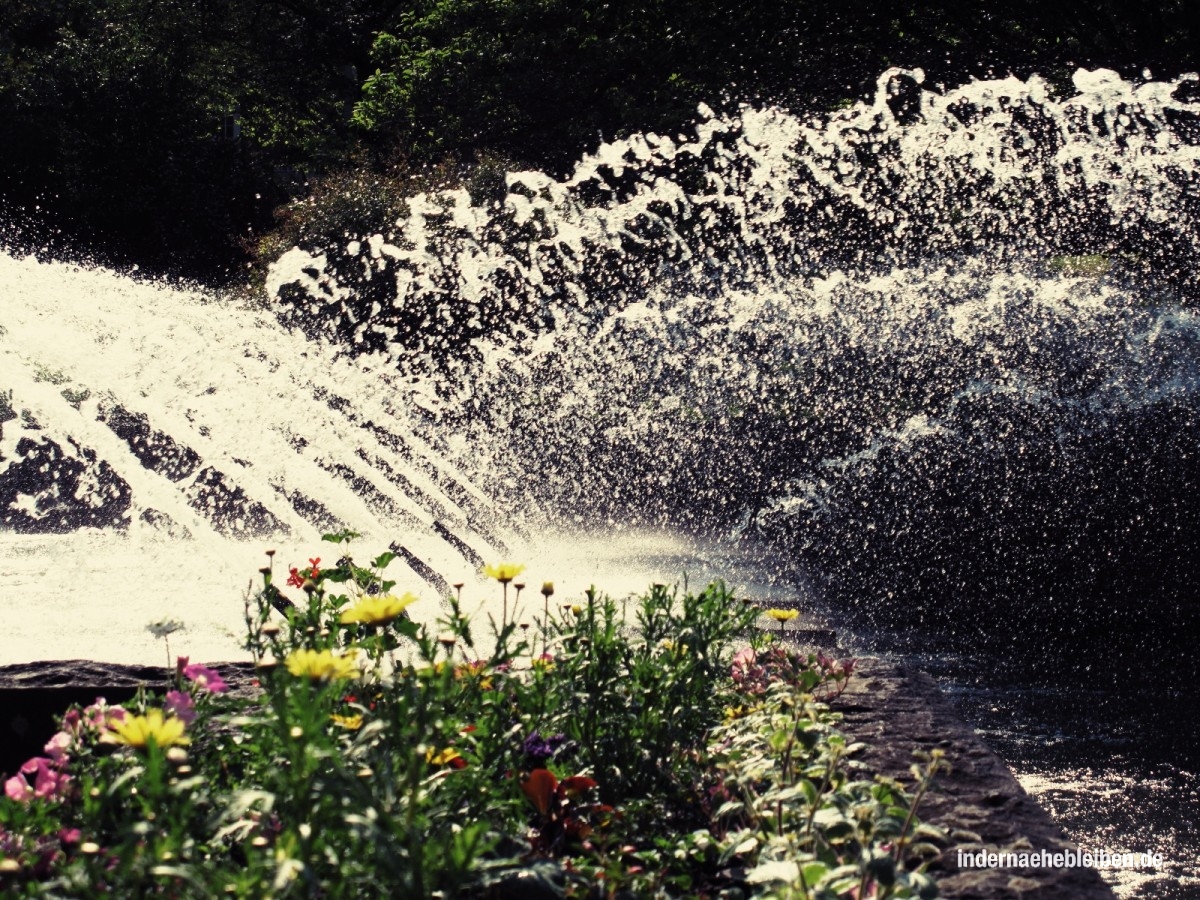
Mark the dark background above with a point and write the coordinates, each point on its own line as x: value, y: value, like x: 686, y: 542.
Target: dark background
x: 184, y: 136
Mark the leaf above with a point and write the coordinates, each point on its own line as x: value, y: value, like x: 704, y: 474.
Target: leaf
x: 747, y: 846
x: 810, y: 791
x: 406, y: 627
x: 728, y: 808
x: 828, y: 816
x: 924, y: 850
x: 786, y: 871
x: 883, y: 867
x: 813, y: 872
x: 539, y: 787
x: 779, y: 740
x: 382, y: 561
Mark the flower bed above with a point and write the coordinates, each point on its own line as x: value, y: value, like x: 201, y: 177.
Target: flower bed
x: 681, y: 755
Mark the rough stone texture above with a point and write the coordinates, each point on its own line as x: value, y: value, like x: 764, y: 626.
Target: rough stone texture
x: 981, y: 806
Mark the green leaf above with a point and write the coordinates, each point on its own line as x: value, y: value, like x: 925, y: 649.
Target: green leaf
x: 810, y: 791
x: 406, y: 627
x: 813, y: 872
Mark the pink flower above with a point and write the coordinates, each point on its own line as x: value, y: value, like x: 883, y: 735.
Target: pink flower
x: 205, y: 678
x: 69, y: 836
x: 744, y: 658
x: 99, y: 714
x: 49, y: 783
x: 17, y: 788
x: 181, y: 706
x: 72, y: 721
x: 56, y: 748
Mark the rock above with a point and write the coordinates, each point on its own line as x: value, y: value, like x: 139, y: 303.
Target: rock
x: 980, y: 805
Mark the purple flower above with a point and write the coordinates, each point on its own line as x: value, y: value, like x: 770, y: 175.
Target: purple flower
x: 181, y: 706
x: 539, y: 749
x: 205, y: 678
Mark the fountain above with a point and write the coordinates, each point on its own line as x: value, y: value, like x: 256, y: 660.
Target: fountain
x: 939, y: 350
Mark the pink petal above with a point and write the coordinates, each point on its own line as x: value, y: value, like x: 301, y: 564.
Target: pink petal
x: 56, y: 748
x: 17, y: 788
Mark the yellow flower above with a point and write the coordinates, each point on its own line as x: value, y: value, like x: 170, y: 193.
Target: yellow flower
x: 377, y: 610
x: 139, y: 731
x: 736, y: 712
x: 504, y: 572
x: 320, y: 665
x: 351, y: 723
x: 477, y: 670
x: 782, y: 615
x: 577, y: 609
x: 447, y: 757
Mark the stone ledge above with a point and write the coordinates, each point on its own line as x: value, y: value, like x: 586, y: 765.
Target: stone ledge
x: 895, y: 710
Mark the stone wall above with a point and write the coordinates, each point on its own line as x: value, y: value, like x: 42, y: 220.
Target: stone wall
x: 896, y: 710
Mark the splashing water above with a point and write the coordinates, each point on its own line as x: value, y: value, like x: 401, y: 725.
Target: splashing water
x: 939, y: 348
x: 941, y: 345
x: 188, y: 413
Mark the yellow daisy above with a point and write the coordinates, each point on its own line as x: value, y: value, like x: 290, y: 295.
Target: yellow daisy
x: 377, y: 610
x: 139, y: 731
x: 320, y: 665
x: 782, y: 615
x: 447, y: 757
x: 504, y: 572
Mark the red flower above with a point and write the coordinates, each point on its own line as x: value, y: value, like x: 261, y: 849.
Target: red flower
x: 295, y: 579
x: 540, y: 787
x: 576, y: 785
x: 315, y: 573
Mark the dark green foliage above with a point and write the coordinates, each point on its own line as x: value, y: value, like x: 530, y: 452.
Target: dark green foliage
x: 165, y: 129
x: 161, y: 131
x: 540, y: 78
